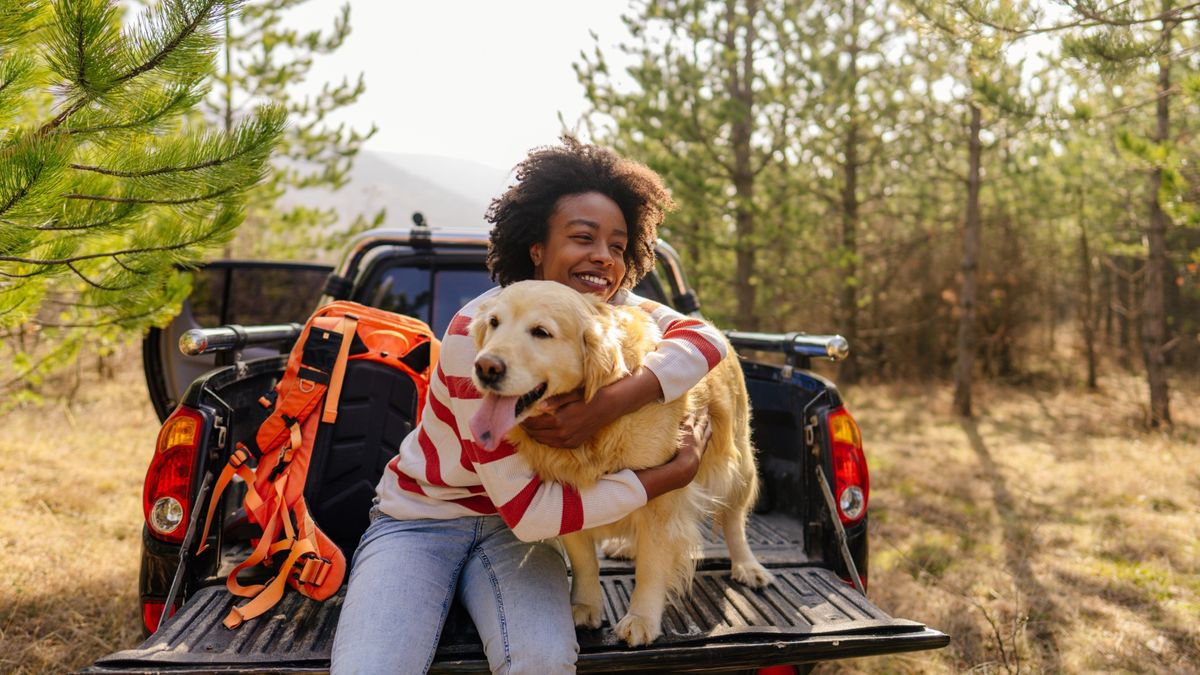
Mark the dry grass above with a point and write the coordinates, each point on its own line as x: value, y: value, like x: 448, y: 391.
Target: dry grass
x: 71, y: 498
x: 1049, y: 535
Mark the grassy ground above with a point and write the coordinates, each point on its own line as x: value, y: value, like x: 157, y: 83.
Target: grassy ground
x: 71, y: 495
x: 1048, y: 535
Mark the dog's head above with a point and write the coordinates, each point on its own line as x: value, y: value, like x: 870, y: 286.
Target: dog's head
x: 537, y: 339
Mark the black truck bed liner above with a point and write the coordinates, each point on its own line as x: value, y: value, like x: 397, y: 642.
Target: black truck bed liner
x: 808, y: 614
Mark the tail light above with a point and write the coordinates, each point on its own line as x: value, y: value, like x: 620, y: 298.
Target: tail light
x: 152, y: 609
x: 851, y: 484
x: 166, y: 496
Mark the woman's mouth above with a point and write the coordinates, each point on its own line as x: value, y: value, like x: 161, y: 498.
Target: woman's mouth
x: 594, y: 281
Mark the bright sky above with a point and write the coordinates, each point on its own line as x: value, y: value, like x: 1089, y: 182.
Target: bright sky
x: 470, y: 79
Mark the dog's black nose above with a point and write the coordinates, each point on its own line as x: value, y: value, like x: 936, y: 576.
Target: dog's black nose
x: 489, y: 369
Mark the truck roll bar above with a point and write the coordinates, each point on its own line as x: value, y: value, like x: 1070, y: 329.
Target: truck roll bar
x: 233, y: 337
x: 803, y: 345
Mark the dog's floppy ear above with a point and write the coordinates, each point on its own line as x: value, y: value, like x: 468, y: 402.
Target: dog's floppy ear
x: 603, y: 361
x: 479, y: 325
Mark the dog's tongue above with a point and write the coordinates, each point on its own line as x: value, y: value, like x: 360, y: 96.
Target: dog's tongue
x: 497, y: 415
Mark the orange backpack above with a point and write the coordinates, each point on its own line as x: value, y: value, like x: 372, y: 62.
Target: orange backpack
x: 304, y: 399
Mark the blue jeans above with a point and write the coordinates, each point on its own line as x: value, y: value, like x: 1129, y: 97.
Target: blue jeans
x: 405, y: 576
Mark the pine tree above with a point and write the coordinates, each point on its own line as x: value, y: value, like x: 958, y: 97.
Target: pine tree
x: 262, y: 60
x: 969, y: 53
x: 853, y: 116
x: 1137, y: 38
x: 717, y: 90
x: 104, y: 187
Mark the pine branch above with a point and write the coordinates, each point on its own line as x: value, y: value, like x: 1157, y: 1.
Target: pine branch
x: 118, y: 215
x: 94, y: 284
x: 106, y: 254
x: 98, y: 324
x: 166, y: 169
x: 24, y: 189
x: 143, y: 200
x: 189, y: 28
x: 61, y: 117
x: 153, y: 116
x: 1089, y: 19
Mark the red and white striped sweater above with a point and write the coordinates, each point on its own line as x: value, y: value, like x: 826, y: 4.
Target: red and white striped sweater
x: 441, y: 473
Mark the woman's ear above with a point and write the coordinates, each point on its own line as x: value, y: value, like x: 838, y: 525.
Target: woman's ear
x: 603, y: 361
x: 536, y: 251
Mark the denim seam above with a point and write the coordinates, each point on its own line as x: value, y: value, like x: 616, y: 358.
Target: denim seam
x: 487, y: 565
x: 437, y: 637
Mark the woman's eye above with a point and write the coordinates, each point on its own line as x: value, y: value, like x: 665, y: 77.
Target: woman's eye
x: 540, y: 333
x: 493, y: 322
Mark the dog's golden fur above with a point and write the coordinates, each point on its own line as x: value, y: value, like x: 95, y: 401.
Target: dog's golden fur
x: 592, y: 344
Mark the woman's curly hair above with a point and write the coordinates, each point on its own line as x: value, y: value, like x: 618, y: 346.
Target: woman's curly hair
x: 520, y: 216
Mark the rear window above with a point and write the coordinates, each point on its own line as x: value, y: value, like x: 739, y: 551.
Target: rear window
x: 252, y: 294
x: 430, y: 294
x: 435, y: 294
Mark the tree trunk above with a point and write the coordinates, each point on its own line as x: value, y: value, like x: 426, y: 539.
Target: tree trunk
x: 966, y: 300
x: 849, y: 371
x: 1106, y: 301
x: 741, y: 78
x: 1153, y: 310
x: 1088, y: 314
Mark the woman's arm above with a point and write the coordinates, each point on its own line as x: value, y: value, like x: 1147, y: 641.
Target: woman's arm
x: 535, y: 509
x: 568, y: 422
x: 690, y: 348
x: 680, y: 471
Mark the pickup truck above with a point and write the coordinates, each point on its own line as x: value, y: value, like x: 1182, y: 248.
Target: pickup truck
x: 810, y: 526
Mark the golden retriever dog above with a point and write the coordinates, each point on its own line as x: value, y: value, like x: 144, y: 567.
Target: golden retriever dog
x: 541, y: 338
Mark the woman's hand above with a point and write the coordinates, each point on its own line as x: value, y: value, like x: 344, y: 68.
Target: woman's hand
x: 567, y: 421
x: 694, y: 434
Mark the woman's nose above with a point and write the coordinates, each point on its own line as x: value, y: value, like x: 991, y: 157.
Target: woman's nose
x: 601, y: 254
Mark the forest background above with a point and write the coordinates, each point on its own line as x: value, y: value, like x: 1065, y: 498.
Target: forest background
x: 996, y: 192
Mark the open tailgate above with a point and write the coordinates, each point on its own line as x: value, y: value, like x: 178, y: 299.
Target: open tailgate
x: 808, y: 614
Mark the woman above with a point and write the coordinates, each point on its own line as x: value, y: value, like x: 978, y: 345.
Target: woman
x: 455, y: 519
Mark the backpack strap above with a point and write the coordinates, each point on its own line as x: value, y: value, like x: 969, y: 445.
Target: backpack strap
x: 235, y: 465
x: 349, y: 325
x: 304, y: 565
x: 270, y: 594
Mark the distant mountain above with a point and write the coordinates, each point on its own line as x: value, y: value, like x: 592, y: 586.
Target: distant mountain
x: 449, y: 192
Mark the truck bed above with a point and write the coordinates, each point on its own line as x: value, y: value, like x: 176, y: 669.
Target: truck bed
x: 808, y: 614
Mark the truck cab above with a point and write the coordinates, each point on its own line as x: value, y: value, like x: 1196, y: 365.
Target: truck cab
x: 810, y: 526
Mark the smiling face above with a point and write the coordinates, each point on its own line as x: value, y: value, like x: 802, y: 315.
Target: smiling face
x: 586, y: 238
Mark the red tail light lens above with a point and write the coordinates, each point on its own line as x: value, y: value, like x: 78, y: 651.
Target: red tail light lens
x: 152, y: 611
x: 166, y: 501
x: 851, y: 484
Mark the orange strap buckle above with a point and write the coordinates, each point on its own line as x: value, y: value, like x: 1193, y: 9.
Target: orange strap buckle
x: 240, y: 456
x: 314, y: 571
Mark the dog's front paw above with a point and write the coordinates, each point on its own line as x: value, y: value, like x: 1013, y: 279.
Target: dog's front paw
x: 752, y: 574
x: 638, y: 630
x: 586, y: 616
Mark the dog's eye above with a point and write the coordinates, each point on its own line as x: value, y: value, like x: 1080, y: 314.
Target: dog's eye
x: 540, y: 333
x: 493, y: 322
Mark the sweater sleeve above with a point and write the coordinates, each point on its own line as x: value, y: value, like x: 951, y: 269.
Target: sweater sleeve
x: 688, y: 350
x: 533, y: 508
